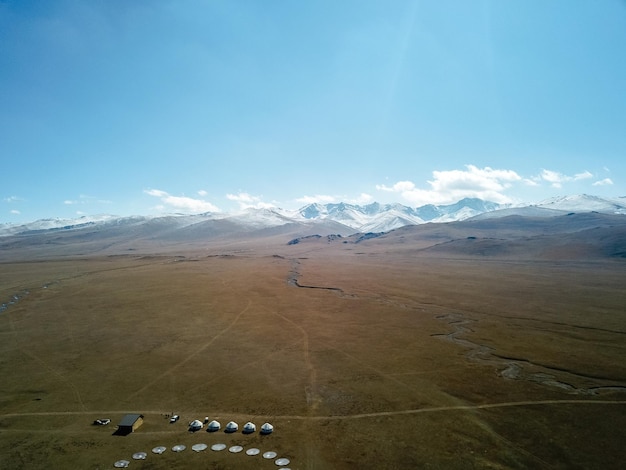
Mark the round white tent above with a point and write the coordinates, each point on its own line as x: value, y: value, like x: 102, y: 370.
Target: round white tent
x: 213, y: 426
x: 249, y: 428
x: 195, y: 425
x: 267, y: 428
x: 231, y: 427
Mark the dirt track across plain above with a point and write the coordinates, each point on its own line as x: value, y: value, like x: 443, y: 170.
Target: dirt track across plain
x: 354, y: 373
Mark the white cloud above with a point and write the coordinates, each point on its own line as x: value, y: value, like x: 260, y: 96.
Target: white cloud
x: 15, y: 211
x: 181, y: 203
x: 452, y: 185
x: 318, y: 198
x: 557, y: 179
x: 84, y: 199
x: 604, y: 182
x: 202, y: 193
x: 242, y: 198
x: 247, y: 201
x: 12, y: 199
x: 552, y: 177
x: 363, y: 198
x: 582, y: 176
x: 399, y: 187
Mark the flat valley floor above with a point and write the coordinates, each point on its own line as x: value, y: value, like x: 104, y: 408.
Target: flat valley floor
x: 359, y: 357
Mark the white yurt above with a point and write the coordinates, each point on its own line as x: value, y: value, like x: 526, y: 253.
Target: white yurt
x: 195, y: 425
x: 249, y: 427
x: 231, y: 427
x: 267, y: 428
x: 213, y: 426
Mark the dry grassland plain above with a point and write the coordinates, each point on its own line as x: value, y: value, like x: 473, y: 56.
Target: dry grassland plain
x: 360, y: 357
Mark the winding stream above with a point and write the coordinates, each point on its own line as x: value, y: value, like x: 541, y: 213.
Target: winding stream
x: 15, y: 298
x: 515, y: 369
x: 508, y: 368
x: 294, y: 275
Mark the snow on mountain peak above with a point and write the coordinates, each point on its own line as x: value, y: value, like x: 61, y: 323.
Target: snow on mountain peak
x: 374, y: 217
x: 584, y: 203
x: 262, y: 217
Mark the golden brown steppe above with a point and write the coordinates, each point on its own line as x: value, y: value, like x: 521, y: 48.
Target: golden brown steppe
x: 380, y: 359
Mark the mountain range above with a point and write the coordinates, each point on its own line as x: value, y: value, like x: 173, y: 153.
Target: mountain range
x: 341, y: 217
x: 585, y: 225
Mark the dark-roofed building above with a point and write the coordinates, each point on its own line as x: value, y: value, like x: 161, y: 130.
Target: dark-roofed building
x: 129, y: 423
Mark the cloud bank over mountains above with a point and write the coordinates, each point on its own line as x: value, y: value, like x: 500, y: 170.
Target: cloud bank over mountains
x: 445, y: 187
x: 557, y: 179
x: 181, y: 203
x: 498, y: 185
x: 342, y: 218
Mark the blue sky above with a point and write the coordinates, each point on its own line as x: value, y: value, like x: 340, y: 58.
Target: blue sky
x: 149, y: 106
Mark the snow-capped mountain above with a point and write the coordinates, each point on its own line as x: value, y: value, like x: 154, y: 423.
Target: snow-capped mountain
x: 260, y: 218
x: 562, y: 205
x: 55, y: 224
x: 343, y: 217
x: 585, y: 203
x: 377, y: 217
x: 369, y: 218
x: 464, y: 209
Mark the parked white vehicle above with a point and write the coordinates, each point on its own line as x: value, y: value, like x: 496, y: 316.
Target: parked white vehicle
x: 102, y: 422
